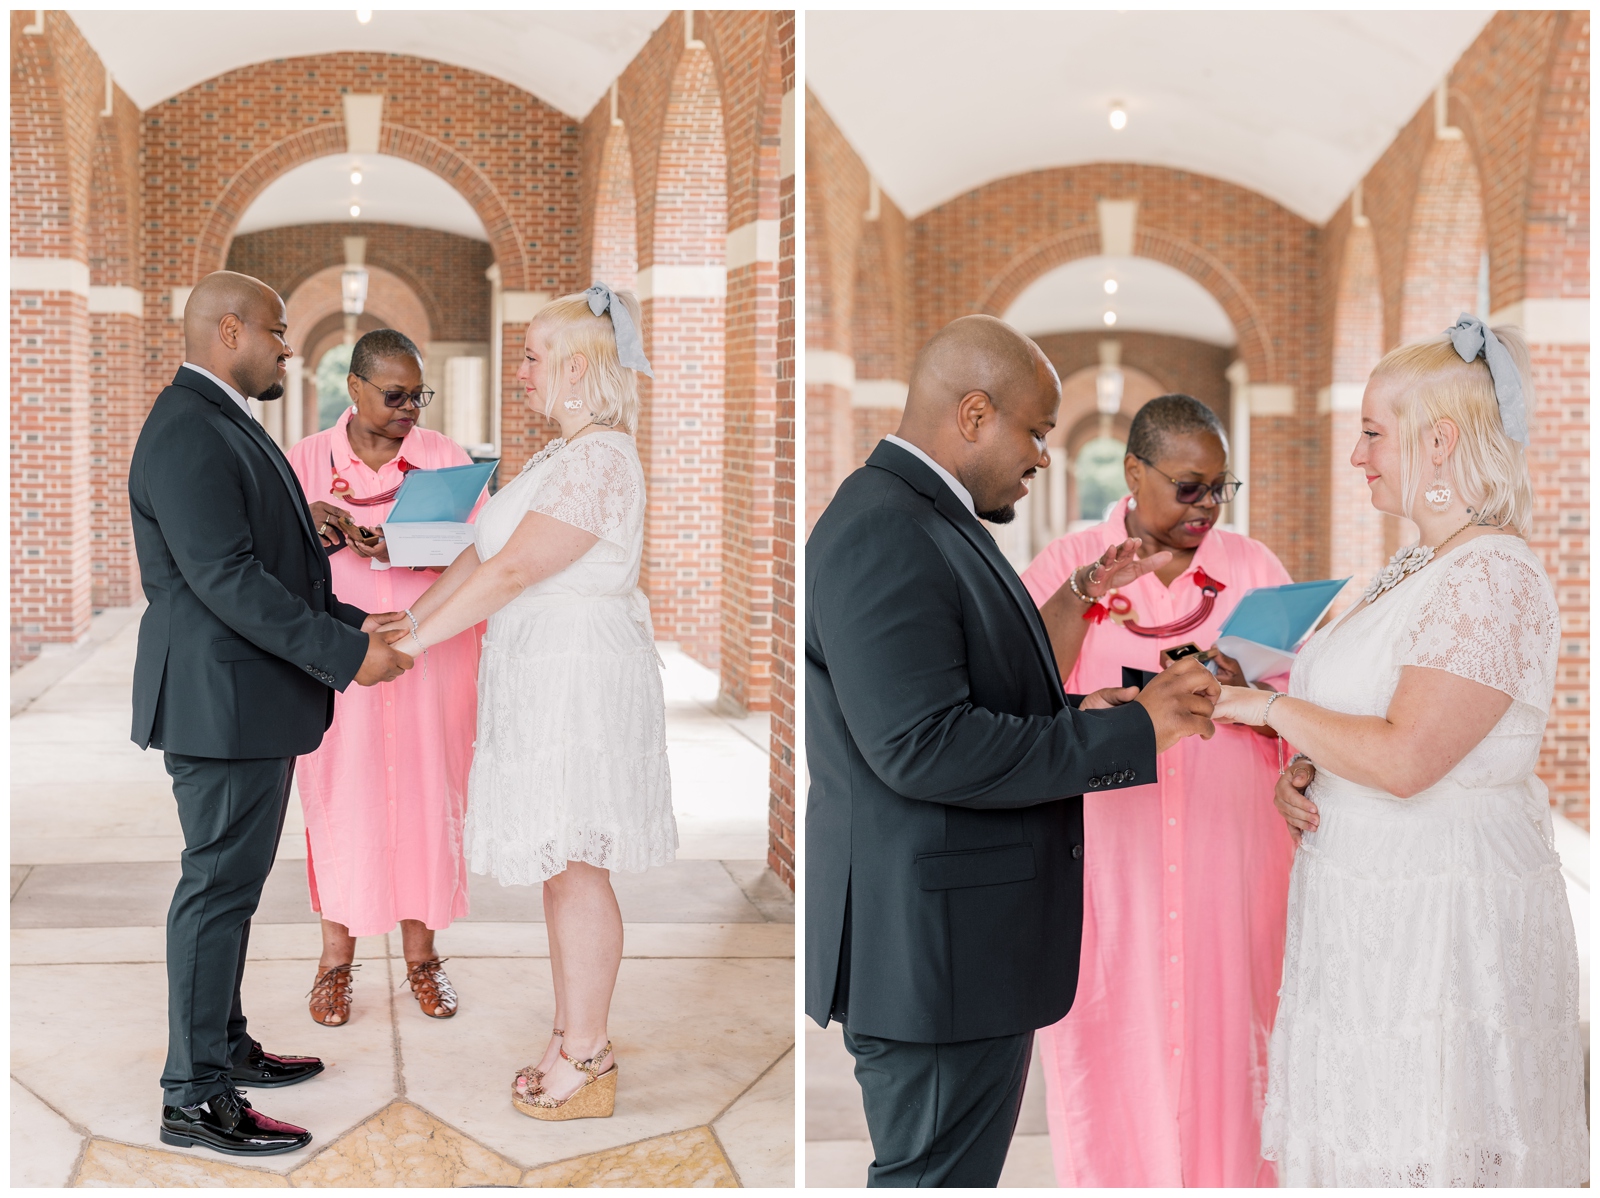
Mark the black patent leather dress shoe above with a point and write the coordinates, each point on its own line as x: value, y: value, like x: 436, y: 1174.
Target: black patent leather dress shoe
x: 227, y: 1123
x: 267, y: 1069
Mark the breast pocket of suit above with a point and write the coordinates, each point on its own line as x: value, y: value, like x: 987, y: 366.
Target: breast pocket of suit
x: 975, y: 867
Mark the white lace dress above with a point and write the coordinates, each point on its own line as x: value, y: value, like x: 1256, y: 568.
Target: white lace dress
x: 1427, y: 1030
x: 571, y: 756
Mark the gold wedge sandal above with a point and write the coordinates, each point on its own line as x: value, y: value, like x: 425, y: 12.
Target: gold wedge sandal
x: 594, y: 1099
x: 531, y: 1076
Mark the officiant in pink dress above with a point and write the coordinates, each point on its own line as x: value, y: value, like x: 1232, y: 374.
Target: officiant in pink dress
x: 385, y: 796
x: 1157, y: 1076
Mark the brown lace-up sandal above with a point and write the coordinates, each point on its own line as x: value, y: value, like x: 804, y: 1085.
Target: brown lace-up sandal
x: 531, y: 1076
x: 594, y: 1099
x: 435, y: 995
x: 330, y: 996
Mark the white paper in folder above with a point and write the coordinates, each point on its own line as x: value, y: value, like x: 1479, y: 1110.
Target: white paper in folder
x: 428, y: 524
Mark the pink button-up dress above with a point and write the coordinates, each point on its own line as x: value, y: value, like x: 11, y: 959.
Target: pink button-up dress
x: 1157, y: 1076
x: 385, y: 795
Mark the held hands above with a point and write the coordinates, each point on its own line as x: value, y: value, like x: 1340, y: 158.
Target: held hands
x: 1290, y: 798
x: 376, y: 621
x: 1242, y: 705
x: 383, y: 662
x: 1179, y: 701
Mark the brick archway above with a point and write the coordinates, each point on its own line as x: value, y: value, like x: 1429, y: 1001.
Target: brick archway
x: 615, y: 258
x: 1445, y: 243
x: 1255, y: 346
x: 321, y: 141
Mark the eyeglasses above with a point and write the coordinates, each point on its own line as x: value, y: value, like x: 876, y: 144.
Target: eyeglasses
x: 1193, y: 492
x: 396, y: 398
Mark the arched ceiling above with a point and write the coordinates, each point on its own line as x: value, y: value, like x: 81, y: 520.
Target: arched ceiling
x: 1151, y: 297
x: 567, y: 59
x: 392, y: 191
x: 1294, y: 105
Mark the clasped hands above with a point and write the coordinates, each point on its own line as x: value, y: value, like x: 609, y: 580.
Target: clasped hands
x: 1179, y: 701
x: 383, y: 662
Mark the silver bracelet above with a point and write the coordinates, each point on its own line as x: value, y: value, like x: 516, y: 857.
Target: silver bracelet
x: 413, y: 620
x: 1266, y: 712
x: 415, y: 635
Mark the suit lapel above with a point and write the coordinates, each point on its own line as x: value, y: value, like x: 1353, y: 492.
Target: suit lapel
x: 891, y: 457
x: 198, y: 382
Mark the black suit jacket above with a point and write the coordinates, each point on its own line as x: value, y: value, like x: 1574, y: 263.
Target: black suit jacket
x: 944, y: 822
x: 243, y: 643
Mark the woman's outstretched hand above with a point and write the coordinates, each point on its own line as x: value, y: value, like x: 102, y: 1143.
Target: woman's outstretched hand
x: 1290, y: 798
x: 1121, y: 565
x: 1242, y: 705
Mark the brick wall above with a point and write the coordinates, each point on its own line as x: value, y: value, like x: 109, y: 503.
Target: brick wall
x: 781, y: 839
x: 443, y: 270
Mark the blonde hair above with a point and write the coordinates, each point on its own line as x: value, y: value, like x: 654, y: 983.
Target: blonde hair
x: 1488, y: 469
x: 608, y: 388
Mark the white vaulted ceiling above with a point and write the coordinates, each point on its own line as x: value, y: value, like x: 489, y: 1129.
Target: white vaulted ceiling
x: 1294, y: 105
x: 566, y: 59
x: 392, y: 191
x: 1151, y: 297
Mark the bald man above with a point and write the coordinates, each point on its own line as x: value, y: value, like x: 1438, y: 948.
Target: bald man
x: 240, y: 653
x: 944, y: 824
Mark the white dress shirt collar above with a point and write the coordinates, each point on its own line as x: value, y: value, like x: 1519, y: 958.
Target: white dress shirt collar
x: 227, y: 388
x: 956, y: 488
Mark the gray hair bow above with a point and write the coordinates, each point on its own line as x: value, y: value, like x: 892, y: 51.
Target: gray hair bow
x: 630, y: 345
x: 1472, y: 339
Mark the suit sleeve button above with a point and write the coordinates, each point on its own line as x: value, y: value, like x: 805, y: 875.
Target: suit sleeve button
x: 1077, y: 852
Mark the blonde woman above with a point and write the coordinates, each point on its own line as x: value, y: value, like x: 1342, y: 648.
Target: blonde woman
x: 1427, y: 1030
x: 570, y: 776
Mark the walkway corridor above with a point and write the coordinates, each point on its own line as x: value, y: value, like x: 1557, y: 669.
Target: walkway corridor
x: 703, y: 1019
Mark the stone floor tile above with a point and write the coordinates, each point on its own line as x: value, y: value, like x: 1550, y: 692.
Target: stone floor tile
x: 18, y: 874
x: 109, y: 1022
x: 110, y: 894
x: 44, y: 1148
x: 472, y: 939
x: 1028, y: 1164
x: 690, y: 1036
x: 757, y: 1131
x: 720, y: 839
x: 762, y: 887
x: 680, y: 892
x: 836, y: 1164
x: 124, y: 1165
x: 404, y: 1146
x: 112, y: 946
x: 680, y: 1160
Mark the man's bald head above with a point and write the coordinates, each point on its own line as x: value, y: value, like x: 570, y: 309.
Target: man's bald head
x: 982, y: 400
x: 234, y: 326
x: 975, y: 353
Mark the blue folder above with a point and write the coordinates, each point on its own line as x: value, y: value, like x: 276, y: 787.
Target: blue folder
x: 440, y: 496
x: 1267, y: 627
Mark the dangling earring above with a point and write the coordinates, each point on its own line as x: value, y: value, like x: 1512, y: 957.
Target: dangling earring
x: 1439, y: 494
x: 573, y: 404
x: 1133, y: 504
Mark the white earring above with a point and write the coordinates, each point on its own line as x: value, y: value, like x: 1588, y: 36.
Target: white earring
x: 573, y: 404
x: 1439, y: 495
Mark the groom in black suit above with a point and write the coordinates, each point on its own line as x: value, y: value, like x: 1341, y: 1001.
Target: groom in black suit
x: 240, y: 652
x: 944, y: 823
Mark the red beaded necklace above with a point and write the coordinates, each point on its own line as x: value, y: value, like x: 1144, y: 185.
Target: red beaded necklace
x: 1120, y: 608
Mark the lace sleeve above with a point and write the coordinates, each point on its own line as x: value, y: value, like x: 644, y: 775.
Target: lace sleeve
x: 1492, y: 618
x: 592, y: 485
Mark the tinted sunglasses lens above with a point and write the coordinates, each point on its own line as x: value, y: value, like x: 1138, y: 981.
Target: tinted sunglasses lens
x: 1228, y: 491
x: 1191, y: 492
x: 399, y: 399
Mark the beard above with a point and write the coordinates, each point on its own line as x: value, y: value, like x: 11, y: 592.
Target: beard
x: 273, y: 392
x: 1000, y: 515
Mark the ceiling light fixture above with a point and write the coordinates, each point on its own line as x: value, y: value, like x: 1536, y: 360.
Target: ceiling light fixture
x: 1119, y: 117
x: 355, y: 209
x: 1110, y: 318
x: 355, y: 175
x: 1111, y: 286
x: 364, y: 15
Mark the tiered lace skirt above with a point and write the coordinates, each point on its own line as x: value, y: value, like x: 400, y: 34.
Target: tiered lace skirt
x: 571, y: 756
x: 1427, y: 1030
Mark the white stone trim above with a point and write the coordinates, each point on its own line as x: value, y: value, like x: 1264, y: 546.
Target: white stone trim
x: 1340, y: 397
x: 519, y: 307
x: 363, y: 121
x: 755, y: 242
x: 682, y: 282
x: 1271, y: 399
x: 879, y: 393
x: 50, y: 274
x: 1548, y: 321
x: 786, y: 137
x: 180, y: 301
x: 830, y: 368
x: 1117, y: 221
x: 120, y: 300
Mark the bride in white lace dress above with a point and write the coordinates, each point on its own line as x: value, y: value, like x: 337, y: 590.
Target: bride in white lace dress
x: 569, y: 778
x: 1427, y: 1030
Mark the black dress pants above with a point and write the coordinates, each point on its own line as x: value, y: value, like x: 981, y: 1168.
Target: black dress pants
x: 232, y: 814
x: 940, y: 1114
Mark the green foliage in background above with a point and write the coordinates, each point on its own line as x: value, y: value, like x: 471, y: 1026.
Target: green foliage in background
x: 1100, y: 479
x: 333, y: 395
